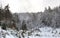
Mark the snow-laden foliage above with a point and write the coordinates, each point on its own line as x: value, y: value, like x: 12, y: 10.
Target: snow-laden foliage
x: 50, y: 17
x: 43, y: 32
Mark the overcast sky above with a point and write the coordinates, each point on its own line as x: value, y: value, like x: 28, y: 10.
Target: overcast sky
x: 29, y: 5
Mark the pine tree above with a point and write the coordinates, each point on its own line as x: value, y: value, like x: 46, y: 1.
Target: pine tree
x: 7, y: 13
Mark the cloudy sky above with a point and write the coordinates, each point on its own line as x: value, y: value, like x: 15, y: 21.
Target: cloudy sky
x: 29, y: 5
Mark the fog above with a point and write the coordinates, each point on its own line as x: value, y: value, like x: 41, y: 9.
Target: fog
x: 29, y: 5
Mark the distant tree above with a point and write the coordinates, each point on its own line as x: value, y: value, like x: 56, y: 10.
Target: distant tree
x: 45, y: 9
x: 16, y: 17
x: 49, y: 9
x: 7, y: 7
x: 34, y: 16
x: 1, y: 14
x: 7, y: 13
x: 24, y: 27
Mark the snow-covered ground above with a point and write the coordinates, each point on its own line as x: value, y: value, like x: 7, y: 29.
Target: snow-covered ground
x: 44, y: 32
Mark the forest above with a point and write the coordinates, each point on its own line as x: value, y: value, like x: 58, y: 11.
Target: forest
x: 50, y: 17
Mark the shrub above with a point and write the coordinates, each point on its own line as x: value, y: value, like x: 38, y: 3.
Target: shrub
x: 4, y: 26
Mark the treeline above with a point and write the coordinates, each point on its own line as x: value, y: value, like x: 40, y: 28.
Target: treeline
x: 50, y: 17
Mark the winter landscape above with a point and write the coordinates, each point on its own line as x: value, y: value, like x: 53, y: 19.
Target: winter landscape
x: 43, y: 24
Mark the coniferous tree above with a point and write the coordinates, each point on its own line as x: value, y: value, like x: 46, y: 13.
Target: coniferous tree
x: 49, y: 9
x: 1, y: 14
x: 7, y: 13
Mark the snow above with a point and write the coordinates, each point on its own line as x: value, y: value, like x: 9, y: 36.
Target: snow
x: 45, y: 32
